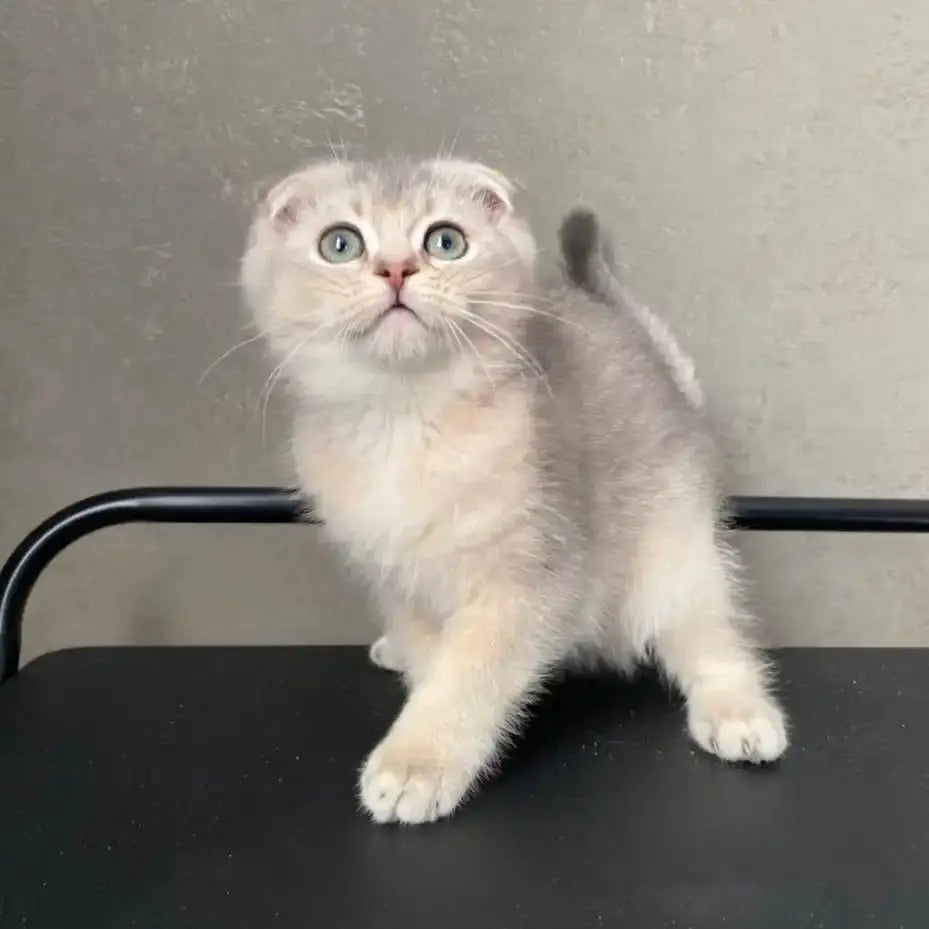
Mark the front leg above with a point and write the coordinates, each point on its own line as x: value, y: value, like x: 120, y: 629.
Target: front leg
x: 409, y: 642
x: 489, y: 658
x: 385, y: 653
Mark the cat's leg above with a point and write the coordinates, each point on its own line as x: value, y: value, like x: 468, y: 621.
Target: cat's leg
x: 488, y: 661
x: 684, y: 604
x: 730, y: 710
x: 409, y: 640
x: 385, y: 653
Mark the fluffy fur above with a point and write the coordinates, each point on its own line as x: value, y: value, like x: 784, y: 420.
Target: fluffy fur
x: 525, y: 478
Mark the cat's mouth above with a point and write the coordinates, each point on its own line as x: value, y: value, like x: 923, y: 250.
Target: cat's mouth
x: 397, y: 308
x: 394, y: 315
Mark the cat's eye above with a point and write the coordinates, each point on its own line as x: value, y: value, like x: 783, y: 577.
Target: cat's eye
x: 339, y: 244
x: 445, y: 242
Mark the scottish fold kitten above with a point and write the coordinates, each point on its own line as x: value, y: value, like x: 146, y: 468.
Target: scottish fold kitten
x: 525, y: 478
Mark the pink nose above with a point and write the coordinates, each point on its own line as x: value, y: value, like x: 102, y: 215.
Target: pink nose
x: 395, y: 272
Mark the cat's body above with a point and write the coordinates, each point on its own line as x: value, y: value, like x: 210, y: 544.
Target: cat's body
x: 526, y: 479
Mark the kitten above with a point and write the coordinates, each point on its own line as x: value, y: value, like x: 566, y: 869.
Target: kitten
x: 525, y: 478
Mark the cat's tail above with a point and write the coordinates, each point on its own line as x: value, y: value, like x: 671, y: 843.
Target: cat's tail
x: 589, y: 264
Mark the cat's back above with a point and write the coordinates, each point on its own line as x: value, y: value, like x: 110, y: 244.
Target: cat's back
x: 613, y: 390
x: 618, y: 360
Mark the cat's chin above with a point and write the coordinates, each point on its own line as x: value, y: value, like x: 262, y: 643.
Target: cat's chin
x: 400, y: 336
x: 397, y: 315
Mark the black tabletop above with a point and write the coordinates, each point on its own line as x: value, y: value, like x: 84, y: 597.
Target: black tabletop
x: 215, y: 788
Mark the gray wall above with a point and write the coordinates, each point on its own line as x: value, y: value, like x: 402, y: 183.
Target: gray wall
x: 763, y: 164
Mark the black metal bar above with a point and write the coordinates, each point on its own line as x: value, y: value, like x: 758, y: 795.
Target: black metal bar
x: 275, y: 505
x: 117, y: 507
x: 828, y: 514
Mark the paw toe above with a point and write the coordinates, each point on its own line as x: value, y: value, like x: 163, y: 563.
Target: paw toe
x: 737, y: 728
x: 399, y: 791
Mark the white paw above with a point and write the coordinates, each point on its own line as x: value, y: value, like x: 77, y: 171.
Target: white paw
x: 396, y: 787
x: 385, y: 655
x: 737, y: 726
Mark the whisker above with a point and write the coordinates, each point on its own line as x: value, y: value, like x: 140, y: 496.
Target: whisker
x: 324, y: 287
x: 528, y: 309
x: 480, y: 358
x: 227, y: 353
x: 331, y: 288
x: 445, y: 153
x: 513, y: 294
x: 513, y: 345
x: 457, y: 275
x: 262, y: 333
x: 509, y: 341
x: 270, y: 384
x: 458, y: 345
x: 278, y: 372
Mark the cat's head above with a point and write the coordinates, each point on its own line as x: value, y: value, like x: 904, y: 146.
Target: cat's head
x: 392, y: 265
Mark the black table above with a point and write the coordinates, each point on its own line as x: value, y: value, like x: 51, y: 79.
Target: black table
x: 214, y: 787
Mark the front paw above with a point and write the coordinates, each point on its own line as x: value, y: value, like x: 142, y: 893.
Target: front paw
x: 737, y: 726
x: 402, y: 783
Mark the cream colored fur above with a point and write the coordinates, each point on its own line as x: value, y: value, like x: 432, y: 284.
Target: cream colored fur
x: 519, y: 474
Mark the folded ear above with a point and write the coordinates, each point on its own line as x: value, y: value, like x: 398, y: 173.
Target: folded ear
x: 493, y: 190
x: 286, y: 199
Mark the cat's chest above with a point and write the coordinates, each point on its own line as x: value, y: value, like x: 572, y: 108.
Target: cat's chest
x: 385, y: 487
x: 414, y: 491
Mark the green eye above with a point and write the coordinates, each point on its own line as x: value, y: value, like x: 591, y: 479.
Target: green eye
x: 339, y: 244
x: 445, y: 242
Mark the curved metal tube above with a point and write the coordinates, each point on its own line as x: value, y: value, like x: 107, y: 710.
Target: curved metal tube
x: 143, y: 504
x: 275, y: 505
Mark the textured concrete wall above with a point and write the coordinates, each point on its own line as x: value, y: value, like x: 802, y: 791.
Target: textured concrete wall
x: 763, y: 164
